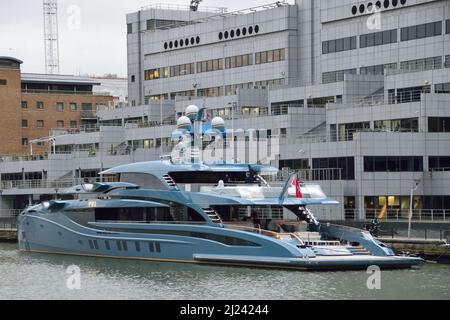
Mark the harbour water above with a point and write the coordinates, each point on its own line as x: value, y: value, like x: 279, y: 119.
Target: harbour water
x: 42, y: 276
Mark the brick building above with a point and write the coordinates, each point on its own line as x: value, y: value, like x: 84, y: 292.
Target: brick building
x: 32, y: 105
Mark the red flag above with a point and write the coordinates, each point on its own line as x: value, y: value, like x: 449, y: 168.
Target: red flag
x: 296, y: 184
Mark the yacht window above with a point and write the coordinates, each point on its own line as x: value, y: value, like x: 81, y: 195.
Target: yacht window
x: 145, y: 181
x: 208, y: 177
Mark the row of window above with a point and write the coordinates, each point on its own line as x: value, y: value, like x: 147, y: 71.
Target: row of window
x: 370, y: 6
x: 60, y: 106
x: 239, y: 61
x: 336, y: 76
x: 397, y: 125
x: 421, y: 31
x: 338, y: 45
x: 378, y: 38
x: 238, y: 32
x: 270, y: 56
x: 182, y: 69
x: 40, y: 123
x: 210, y: 65
x: 122, y: 245
x: 215, y: 91
x: 181, y: 43
x: 216, y: 64
x: 377, y: 69
x: 393, y: 164
x: 431, y: 63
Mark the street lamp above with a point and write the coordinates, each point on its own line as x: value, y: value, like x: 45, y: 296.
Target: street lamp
x: 411, y: 207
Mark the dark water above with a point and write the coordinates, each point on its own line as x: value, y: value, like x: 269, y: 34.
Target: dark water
x: 40, y: 276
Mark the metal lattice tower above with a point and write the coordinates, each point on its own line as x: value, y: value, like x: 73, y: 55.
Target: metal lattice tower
x: 51, y: 36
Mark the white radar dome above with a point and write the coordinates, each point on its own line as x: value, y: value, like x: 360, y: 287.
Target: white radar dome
x: 217, y: 122
x: 183, y: 122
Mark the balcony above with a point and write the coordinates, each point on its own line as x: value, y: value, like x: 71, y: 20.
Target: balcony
x: 66, y: 92
x: 88, y: 115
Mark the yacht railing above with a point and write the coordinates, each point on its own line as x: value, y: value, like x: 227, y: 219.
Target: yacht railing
x: 50, y: 184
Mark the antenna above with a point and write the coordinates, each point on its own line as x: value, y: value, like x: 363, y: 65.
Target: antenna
x: 51, y: 42
x: 194, y: 5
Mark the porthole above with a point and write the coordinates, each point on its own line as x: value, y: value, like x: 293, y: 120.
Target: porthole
x: 226, y: 34
x: 170, y: 44
x: 354, y: 10
x: 256, y: 29
x: 59, y: 233
x: 250, y: 30
x: 394, y: 3
x: 176, y: 44
x: 192, y: 41
x: 238, y: 32
x: 232, y: 33
x: 186, y: 42
x: 378, y: 5
x: 197, y: 40
x: 362, y: 8
x: 370, y: 7
x: 181, y: 43
x: 403, y: 2
x: 386, y: 4
x: 244, y: 31
x: 220, y: 35
x: 166, y: 45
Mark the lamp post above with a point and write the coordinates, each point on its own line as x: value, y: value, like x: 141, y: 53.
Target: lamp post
x: 411, y: 207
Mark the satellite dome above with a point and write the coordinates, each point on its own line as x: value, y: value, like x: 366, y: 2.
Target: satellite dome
x: 217, y: 122
x: 183, y: 123
x: 192, y: 111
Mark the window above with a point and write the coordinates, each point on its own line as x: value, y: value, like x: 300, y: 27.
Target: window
x: 60, y: 106
x: 40, y: 105
x: 442, y: 88
x: 378, y: 38
x: 73, y: 124
x: 397, y: 125
x: 24, y: 105
x: 129, y: 28
x: 133, y: 78
x: 24, y: 123
x: 24, y: 141
x: 268, y: 56
x: 137, y: 246
x: 439, y: 163
x: 393, y: 164
x: 447, y: 26
x: 60, y: 124
x: 422, y: 64
x: 73, y: 107
x: 378, y: 69
x: 421, y: 31
x: 40, y: 123
x: 439, y: 124
x: 338, y: 45
x: 336, y: 168
x: 336, y: 76
x: 3, y: 82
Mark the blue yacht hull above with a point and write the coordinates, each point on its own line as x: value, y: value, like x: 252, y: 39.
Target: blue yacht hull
x: 200, y: 244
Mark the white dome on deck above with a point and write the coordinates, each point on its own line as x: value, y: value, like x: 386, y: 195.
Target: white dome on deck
x: 183, y: 122
x: 217, y: 122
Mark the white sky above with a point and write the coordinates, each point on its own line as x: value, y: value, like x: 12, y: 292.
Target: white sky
x: 98, y: 46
